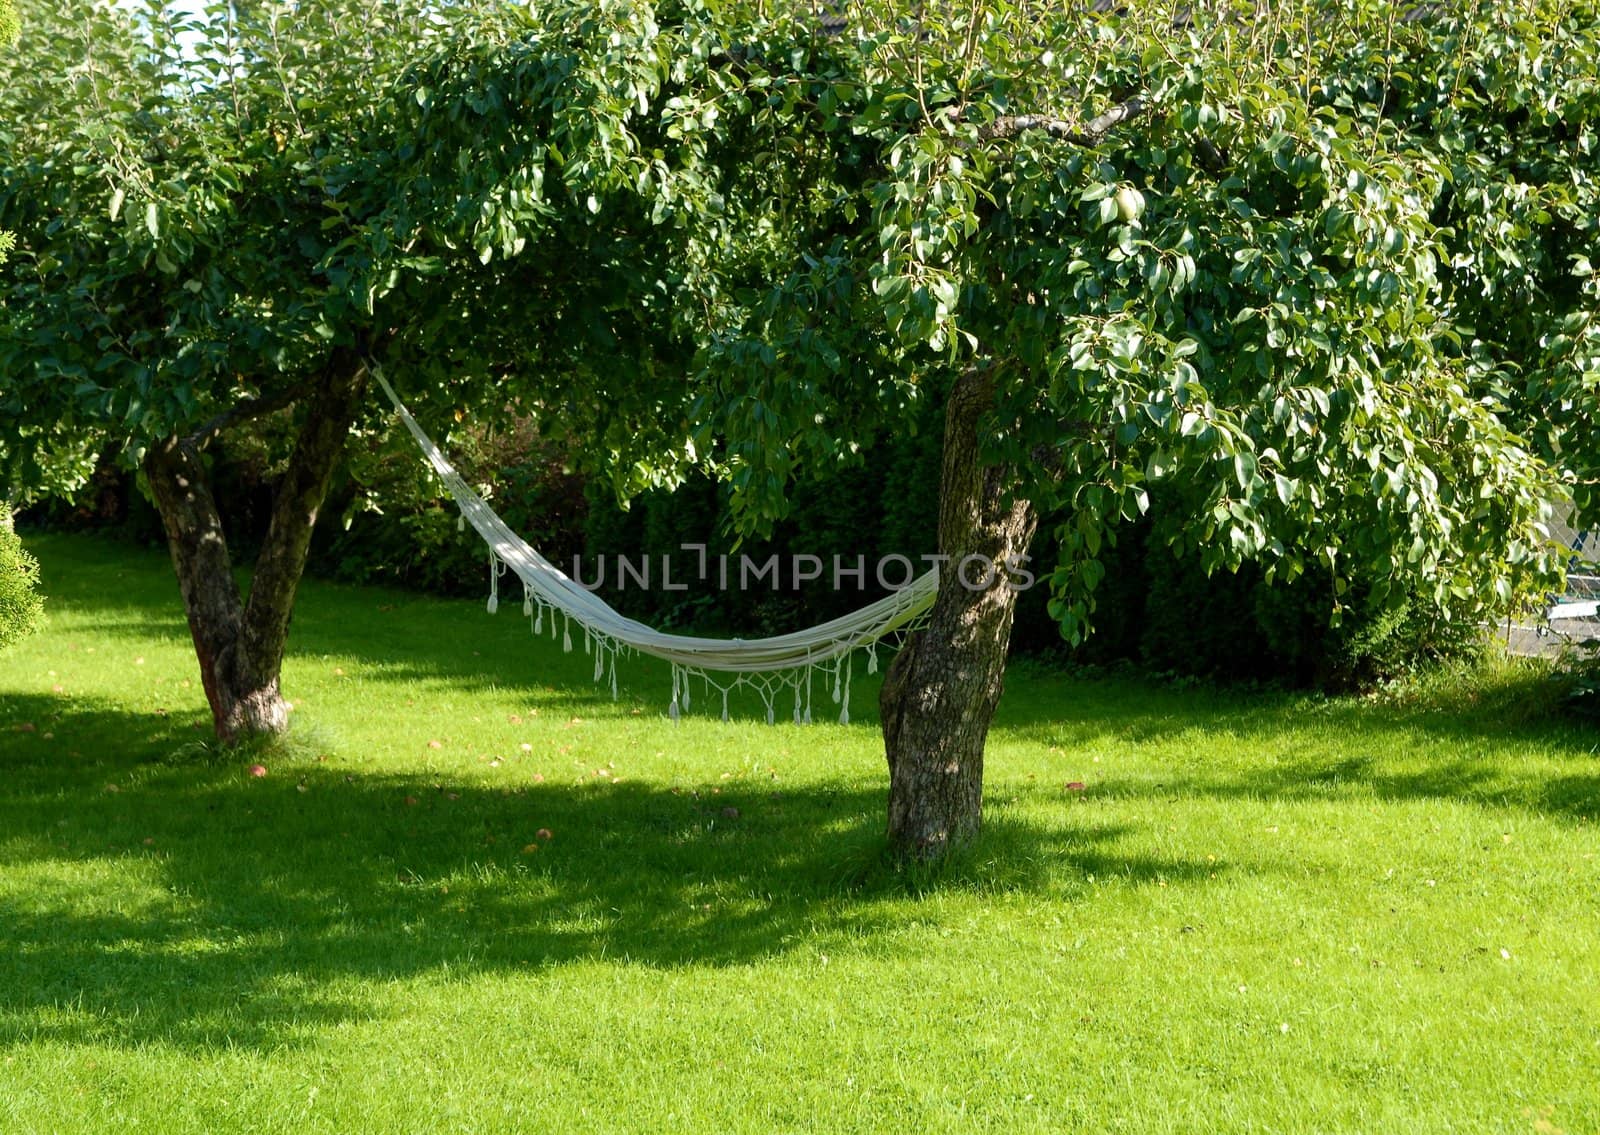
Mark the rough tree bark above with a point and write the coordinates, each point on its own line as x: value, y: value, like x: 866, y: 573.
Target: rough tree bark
x: 239, y: 642
x: 939, y: 695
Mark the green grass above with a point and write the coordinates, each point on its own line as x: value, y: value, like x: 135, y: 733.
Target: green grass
x: 1263, y: 913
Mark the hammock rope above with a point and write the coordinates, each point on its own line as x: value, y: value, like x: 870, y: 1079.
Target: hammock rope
x: 770, y: 666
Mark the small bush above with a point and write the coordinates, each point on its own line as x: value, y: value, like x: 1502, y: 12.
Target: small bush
x: 1239, y: 627
x: 21, y: 608
x: 1370, y: 645
x: 1498, y: 689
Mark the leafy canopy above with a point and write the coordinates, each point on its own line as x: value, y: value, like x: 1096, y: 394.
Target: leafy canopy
x: 1236, y: 258
x: 214, y: 206
x: 1310, y: 270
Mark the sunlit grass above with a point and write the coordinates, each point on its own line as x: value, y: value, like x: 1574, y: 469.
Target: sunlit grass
x: 474, y: 894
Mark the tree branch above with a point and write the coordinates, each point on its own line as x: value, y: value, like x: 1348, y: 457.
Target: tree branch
x: 298, y: 496
x: 209, y: 431
x: 1091, y: 133
x: 1211, y: 159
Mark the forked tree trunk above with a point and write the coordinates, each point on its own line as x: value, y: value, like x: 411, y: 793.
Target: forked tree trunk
x: 242, y: 701
x: 940, y: 693
x: 239, y: 642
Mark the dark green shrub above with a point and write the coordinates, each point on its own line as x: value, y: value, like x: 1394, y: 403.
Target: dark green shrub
x: 885, y: 503
x: 1369, y: 645
x: 1240, y: 627
x: 1199, y: 625
x: 1119, y: 600
x: 908, y: 500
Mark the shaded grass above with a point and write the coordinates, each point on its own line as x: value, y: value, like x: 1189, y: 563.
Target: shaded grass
x: 1267, y: 913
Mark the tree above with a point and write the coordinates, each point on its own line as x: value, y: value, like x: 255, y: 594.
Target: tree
x: 1201, y: 244
x: 231, y: 218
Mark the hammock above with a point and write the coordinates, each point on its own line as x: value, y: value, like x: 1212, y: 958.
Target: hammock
x: 773, y: 666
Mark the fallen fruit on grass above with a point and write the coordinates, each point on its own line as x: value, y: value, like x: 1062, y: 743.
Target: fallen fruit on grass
x: 545, y: 834
x: 258, y: 770
x: 1075, y: 786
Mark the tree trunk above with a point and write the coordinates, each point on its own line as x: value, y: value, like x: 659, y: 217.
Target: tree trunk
x: 941, y: 691
x: 239, y: 643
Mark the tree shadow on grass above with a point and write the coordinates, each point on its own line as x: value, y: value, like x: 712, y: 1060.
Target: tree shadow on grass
x: 1571, y: 796
x: 257, y: 912
x: 1305, y: 744
x: 179, y: 900
x: 1057, y: 709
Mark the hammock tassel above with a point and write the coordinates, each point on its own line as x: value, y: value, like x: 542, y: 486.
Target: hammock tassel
x: 566, y: 637
x: 872, y: 659
x: 724, y: 707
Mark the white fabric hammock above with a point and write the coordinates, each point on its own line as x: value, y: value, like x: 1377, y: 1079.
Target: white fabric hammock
x: 770, y: 666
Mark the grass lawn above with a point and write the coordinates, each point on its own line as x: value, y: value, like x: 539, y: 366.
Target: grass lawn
x: 1261, y: 913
